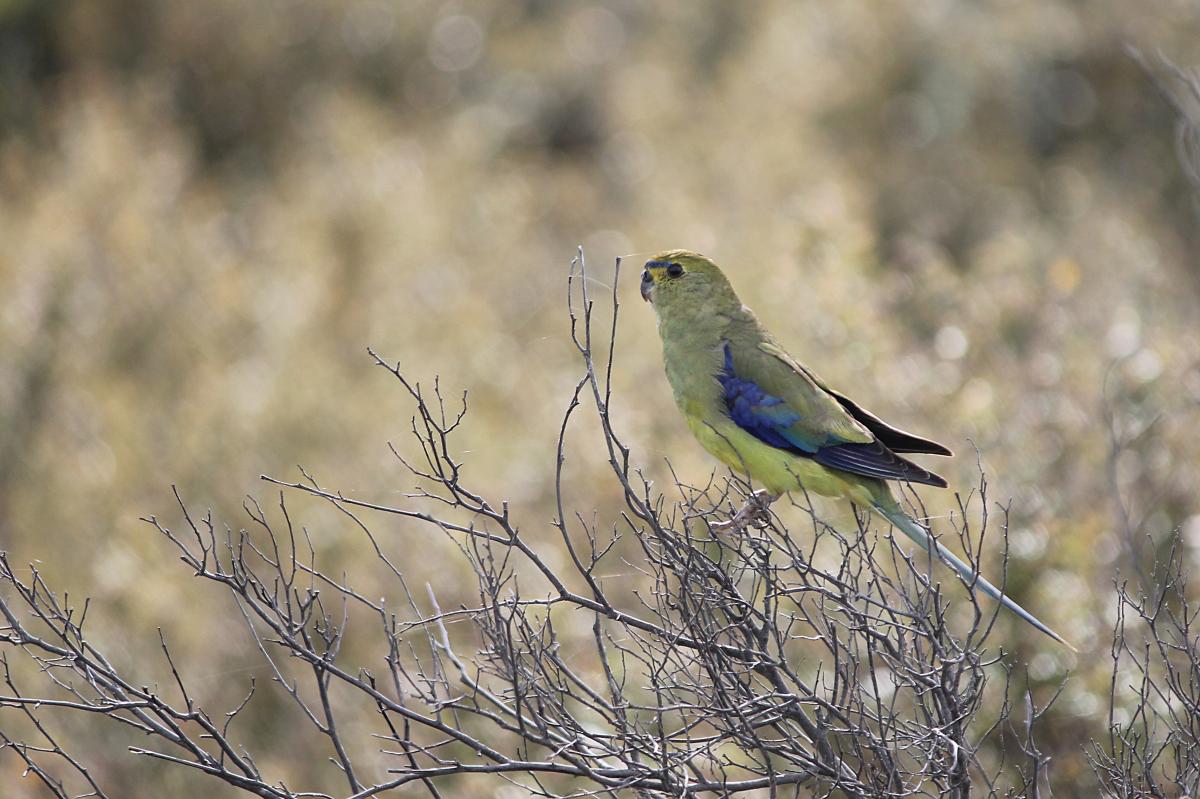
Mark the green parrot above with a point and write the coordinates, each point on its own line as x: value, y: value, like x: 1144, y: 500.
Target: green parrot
x: 762, y: 413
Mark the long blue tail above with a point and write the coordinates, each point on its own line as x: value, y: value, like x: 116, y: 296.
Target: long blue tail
x: 916, y: 532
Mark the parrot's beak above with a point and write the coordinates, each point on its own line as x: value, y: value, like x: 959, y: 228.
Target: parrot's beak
x: 647, y: 286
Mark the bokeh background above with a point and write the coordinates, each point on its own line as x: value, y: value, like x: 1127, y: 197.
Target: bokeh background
x: 969, y: 216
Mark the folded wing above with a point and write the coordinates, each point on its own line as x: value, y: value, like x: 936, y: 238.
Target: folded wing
x: 778, y: 402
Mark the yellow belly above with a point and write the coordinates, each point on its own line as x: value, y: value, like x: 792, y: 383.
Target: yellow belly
x: 778, y: 470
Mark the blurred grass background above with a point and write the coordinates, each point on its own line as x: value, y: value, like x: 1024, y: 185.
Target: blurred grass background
x: 968, y: 216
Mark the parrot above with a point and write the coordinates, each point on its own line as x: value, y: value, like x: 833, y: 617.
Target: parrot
x: 765, y: 415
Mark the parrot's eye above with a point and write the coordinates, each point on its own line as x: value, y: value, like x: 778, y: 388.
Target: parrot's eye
x: 674, y: 270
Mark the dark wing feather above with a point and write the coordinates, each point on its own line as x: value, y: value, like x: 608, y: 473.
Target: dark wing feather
x: 875, y: 460
x: 894, y: 439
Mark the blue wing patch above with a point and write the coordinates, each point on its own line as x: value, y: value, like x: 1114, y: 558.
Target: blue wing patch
x: 762, y: 415
x: 769, y: 419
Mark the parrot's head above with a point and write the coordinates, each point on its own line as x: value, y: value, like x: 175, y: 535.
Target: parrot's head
x: 682, y: 281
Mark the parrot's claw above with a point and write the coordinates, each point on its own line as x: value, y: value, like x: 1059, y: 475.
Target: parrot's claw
x: 756, y: 511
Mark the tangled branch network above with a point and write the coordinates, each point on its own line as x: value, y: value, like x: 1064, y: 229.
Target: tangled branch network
x: 810, y: 661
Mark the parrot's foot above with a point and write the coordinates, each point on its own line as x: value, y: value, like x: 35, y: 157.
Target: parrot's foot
x: 756, y: 511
